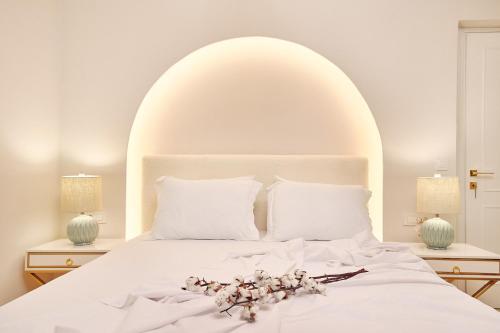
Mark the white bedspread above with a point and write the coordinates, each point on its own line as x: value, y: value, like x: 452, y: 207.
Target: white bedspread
x: 136, y: 288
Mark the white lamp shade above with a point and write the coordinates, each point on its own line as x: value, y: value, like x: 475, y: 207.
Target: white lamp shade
x: 81, y: 193
x: 438, y: 195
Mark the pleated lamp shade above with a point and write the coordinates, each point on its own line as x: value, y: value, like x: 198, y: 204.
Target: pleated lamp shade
x: 438, y: 195
x: 81, y: 193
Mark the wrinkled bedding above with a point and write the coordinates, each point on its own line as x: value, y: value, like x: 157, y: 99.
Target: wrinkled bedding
x: 137, y: 288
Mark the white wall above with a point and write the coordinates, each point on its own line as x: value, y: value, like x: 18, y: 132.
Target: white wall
x: 29, y: 133
x: 401, y: 54
x: 252, y: 95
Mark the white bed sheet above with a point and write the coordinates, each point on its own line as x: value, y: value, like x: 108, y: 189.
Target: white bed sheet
x: 388, y: 299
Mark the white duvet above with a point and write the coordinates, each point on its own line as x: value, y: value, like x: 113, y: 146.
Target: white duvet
x: 136, y: 288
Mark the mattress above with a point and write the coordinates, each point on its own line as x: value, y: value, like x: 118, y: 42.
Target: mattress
x: 399, y: 293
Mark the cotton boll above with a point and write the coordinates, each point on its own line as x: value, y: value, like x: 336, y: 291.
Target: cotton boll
x: 245, y: 313
x: 280, y: 295
x: 261, y: 277
x: 222, y: 300
x: 321, y: 289
x: 232, y: 292
x: 193, y: 283
x: 264, y: 295
x: 275, y: 284
x: 300, y: 274
x: 309, y: 284
x: 249, y: 312
x: 285, y: 281
x: 264, y: 282
x: 244, y: 294
x: 263, y: 291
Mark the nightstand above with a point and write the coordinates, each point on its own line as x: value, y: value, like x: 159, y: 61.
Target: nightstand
x: 61, y: 256
x: 462, y: 262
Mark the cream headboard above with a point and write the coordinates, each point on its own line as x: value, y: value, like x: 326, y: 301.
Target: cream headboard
x: 333, y: 169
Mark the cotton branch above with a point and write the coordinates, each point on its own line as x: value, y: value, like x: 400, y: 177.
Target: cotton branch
x: 264, y: 289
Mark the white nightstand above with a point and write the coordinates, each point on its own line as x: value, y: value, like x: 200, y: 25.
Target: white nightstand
x: 462, y: 262
x: 61, y: 256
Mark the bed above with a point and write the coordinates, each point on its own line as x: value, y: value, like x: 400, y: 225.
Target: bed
x: 398, y: 293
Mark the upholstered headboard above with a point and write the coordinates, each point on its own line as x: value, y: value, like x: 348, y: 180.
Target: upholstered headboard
x: 333, y: 169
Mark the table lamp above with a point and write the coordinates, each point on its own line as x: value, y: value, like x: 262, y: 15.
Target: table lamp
x: 82, y: 194
x: 437, y: 195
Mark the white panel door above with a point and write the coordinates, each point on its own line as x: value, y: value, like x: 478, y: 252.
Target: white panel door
x: 482, y: 121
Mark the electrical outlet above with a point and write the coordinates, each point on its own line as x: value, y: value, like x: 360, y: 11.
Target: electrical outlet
x: 441, y: 166
x: 99, y: 217
x: 411, y: 221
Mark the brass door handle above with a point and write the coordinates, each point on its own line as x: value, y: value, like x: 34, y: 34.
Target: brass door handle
x: 69, y: 262
x: 456, y: 270
x: 475, y: 173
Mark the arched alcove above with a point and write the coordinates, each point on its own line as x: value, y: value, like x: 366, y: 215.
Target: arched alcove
x: 253, y: 95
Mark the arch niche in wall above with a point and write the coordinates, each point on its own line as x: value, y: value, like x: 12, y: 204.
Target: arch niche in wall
x: 253, y: 95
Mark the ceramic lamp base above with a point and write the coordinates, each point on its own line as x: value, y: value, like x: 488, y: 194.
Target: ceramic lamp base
x: 82, y: 230
x: 437, y: 233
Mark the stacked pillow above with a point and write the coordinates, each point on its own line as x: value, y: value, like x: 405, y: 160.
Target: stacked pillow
x: 206, y: 209
x: 316, y: 211
x: 223, y: 209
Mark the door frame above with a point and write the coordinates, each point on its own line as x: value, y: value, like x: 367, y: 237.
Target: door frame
x: 465, y: 28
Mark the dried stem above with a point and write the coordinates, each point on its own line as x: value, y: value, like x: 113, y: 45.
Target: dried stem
x: 328, y: 278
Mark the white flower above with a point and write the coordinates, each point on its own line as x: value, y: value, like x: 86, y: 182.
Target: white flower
x: 300, y: 274
x: 255, y: 294
x: 280, y: 295
x: 264, y: 282
x: 232, y: 292
x: 263, y: 291
x: 285, y: 281
x: 249, y: 312
x: 264, y: 295
x: 213, y: 288
x: 222, y: 300
x: 193, y: 283
x: 244, y: 294
x: 321, y: 289
x: 260, y: 274
x: 262, y: 278
x: 309, y: 284
x: 275, y: 284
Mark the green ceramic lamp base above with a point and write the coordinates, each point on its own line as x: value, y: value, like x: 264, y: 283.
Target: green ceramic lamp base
x: 82, y: 230
x: 437, y: 233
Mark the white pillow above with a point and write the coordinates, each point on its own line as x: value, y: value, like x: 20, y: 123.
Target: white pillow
x: 316, y: 211
x: 205, y: 209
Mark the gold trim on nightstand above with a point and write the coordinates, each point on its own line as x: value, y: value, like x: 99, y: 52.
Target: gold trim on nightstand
x: 69, y: 263
x: 462, y: 262
x: 37, y: 278
x: 456, y: 273
x: 61, y: 256
x: 484, y: 288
